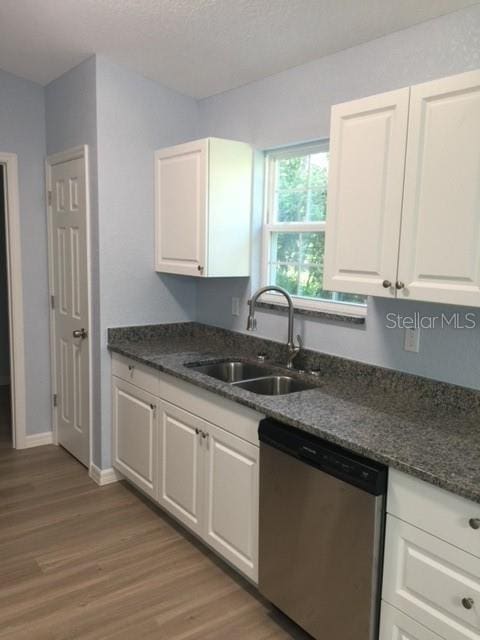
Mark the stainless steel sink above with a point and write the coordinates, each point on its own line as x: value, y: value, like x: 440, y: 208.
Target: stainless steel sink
x: 231, y: 370
x: 274, y: 385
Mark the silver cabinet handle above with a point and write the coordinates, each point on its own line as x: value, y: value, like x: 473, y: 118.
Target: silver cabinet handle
x: 474, y: 523
x: 80, y: 333
x: 386, y: 284
x: 467, y: 603
x: 399, y: 285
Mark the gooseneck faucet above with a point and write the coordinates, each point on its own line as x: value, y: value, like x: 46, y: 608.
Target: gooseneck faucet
x: 293, y: 349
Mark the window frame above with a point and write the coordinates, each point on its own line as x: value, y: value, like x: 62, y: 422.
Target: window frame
x: 269, y: 226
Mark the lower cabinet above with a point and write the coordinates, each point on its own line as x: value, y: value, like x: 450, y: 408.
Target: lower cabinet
x: 135, y: 434
x: 203, y: 474
x: 209, y: 481
x: 181, y: 481
x: 231, y: 502
x: 395, y: 625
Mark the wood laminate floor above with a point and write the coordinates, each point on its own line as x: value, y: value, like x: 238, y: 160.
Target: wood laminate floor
x: 101, y: 563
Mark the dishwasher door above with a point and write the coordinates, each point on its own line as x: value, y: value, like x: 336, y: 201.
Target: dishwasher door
x: 320, y: 546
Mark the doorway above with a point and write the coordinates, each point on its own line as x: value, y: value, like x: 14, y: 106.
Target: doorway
x: 12, y: 349
x: 6, y: 435
x: 68, y: 218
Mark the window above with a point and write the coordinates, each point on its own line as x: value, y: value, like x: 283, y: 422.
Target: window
x: 294, y: 229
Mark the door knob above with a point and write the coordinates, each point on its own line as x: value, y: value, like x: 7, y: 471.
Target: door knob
x: 467, y: 603
x: 80, y: 333
x: 386, y: 284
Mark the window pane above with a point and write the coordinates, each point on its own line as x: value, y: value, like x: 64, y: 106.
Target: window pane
x: 301, y: 188
x: 296, y: 264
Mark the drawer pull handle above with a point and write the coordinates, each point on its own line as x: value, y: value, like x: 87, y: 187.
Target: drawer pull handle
x: 386, y: 284
x: 131, y: 367
x: 467, y: 603
x: 474, y: 523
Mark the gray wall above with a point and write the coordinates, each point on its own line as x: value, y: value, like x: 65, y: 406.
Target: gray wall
x: 4, y: 330
x: 22, y: 131
x: 135, y: 117
x: 294, y: 106
x: 71, y: 120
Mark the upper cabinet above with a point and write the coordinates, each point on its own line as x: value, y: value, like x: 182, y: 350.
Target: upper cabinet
x: 203, y: 208
x: 404, y: 198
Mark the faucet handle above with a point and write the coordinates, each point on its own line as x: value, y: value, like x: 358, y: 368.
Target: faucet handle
x: 299, y: 341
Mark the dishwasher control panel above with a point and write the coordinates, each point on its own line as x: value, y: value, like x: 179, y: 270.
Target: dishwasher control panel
x: 366, y: 474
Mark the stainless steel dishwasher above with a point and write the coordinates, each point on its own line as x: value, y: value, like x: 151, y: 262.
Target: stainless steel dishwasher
x: 322, y: 513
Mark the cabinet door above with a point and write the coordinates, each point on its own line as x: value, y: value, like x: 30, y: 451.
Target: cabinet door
x: 440, y: 240
x: 395, y: 625
x: 181, y: 485
x: 181, y: 208
x: 367, y: 156
x: 135, y: 435
x: 232, y: 499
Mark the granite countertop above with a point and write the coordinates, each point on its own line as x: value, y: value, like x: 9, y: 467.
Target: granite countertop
x: 427, y: 429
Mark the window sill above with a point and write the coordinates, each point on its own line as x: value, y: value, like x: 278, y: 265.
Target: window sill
x: 314, y: 313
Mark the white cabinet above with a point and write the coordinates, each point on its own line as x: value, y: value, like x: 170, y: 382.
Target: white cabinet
x: 395, y: 625
x: 209, y: 481
x: 231, y: 508
x: 440, y: 239
x: 135, y: 434
x: 181, y: 485
x: 201, y: 467
x: 424, y: 182
x: 367, y: 151
x: 203, y: 208
x: 432, y: 560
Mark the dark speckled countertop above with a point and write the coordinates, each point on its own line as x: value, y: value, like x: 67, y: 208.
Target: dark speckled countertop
x: 427, y: 429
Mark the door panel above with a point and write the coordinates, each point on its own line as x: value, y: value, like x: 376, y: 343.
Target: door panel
x: 367, y: 156
x: 232, y: 499
x: 135, y: 435
x: 181, y: 193
x: 440, y: 240
x: 181, y: 483
x: 70, y: 284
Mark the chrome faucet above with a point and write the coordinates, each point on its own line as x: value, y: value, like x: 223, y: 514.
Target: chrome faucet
x: 293, y: 349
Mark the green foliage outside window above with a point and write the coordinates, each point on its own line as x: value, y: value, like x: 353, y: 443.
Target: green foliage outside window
x: 296, y: 258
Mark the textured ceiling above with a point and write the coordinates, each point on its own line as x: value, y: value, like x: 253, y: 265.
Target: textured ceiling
x: 198, y: 47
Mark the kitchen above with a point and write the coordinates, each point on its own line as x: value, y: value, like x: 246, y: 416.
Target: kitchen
x: 168, y: 296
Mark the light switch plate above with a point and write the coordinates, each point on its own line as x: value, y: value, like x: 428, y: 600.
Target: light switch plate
x: 412, y: 340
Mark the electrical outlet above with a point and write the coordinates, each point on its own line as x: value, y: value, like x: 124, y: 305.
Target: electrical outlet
x: 235, y: 306
x: 412, y: 340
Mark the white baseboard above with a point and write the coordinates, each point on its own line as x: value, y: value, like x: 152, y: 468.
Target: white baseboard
x: 103, y: 476
x: 38, y: 439
x: 4, y: 381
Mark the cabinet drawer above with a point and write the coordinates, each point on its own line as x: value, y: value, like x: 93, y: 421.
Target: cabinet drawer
x: 395, y: 625
x: 232, y: 417
x: 136, y: 373
x: 432, y: 581
x: 435, y: 510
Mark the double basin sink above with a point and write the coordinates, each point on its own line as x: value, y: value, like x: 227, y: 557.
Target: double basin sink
x: 251, y: 377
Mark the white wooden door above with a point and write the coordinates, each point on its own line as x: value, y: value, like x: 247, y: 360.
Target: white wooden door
x: 181, y: 462
x: 71, y: 314
x: 440, y: 240
x: 367, y: 156
x: 395, y: 625
x: 135, y: 432
x: 181, y: 208
x: 232, y: 499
